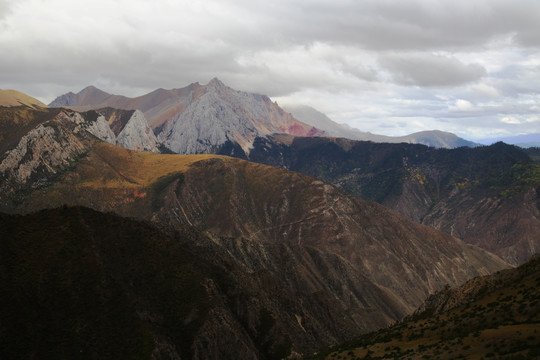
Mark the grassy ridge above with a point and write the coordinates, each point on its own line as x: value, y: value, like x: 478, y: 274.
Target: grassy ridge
x: 500, y: 321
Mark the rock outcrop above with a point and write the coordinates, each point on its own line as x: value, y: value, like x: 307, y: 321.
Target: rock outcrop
x: 125, y: 128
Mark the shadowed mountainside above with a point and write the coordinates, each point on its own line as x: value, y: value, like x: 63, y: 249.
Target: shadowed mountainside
x: 77, y: 283
x: 487, y: 196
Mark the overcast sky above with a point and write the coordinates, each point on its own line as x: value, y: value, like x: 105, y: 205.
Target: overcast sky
x: 471, y: 67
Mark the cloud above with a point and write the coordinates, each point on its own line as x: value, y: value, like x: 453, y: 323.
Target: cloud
x: 430, y: 70
x: 510, y: 120
x: 454, y: 64
x: 462, y: 105
x: 486, y: 90
x: 5, y: 8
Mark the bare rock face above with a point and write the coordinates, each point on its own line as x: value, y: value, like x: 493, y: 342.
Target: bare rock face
x: 54, y: 145
x: 100, y: 128
x: 44, y: 151
x: 197, y: 118
x: 126, y: 128
x: 137, y: 134
x: 221, y: 114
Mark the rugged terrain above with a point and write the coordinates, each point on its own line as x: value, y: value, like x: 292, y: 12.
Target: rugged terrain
x: 200, y: 118
x: 72, y: 288
x: 350, y: 265
x: 487, y: 196
x: 495, y: 316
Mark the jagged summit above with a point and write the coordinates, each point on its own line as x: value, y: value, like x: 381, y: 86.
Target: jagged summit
x: 215, y: 83
x: 199, y: 118
x: 222, y: 115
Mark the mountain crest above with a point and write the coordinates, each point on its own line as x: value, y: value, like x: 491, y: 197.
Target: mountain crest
x: 215, y: 83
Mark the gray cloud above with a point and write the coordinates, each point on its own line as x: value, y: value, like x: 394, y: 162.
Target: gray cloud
x: 395, y: 61
x: 430, y: 70
x: 5, y: 8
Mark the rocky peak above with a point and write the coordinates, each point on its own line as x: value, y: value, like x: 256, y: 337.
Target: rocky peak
x: 88, y: 95
x: 220, y: 115
x: 137, y: 134
x: 53, y: 145
x: 68, y: 99
x: 215, y: 83
x: 126, y: 128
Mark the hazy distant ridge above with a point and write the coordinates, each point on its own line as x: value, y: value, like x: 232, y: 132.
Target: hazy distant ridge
x: 433, y: 138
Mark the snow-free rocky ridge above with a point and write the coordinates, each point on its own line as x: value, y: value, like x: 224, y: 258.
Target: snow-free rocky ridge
x: 200, y: 118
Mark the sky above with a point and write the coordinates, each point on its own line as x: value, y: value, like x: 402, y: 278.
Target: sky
x: 471, y: 67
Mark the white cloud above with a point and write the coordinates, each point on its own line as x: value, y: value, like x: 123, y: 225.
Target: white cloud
x: 510, y: 120
x: 462, y: 105
x: 486, y: 90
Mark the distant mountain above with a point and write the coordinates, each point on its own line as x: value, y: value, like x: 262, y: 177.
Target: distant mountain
x: 487, y: 196
x: 158, y: 106
x: 321, y: 121
x: 524, y: 141
x: 317, y: 266
x: 16, y: 98
x: 433, y: 138
x: 199, y: 118
x: 495, y: 316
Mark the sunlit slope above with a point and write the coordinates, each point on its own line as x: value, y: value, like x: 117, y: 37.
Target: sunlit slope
x: 114, y: 179
x: 17, y: 98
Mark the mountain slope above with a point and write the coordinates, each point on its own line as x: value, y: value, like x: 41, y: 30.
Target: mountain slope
x: 496, y: 316
x: 316, y: 265
x: 433, y: 138
x: 10, y: 98
x: 269, y: 205
x: 15, y: 122
x: 487, y: 196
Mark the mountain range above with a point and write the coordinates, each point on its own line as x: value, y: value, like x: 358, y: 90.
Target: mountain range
x: 211, y: 256
x: 487, y: 196
x: 308, y: 263
x: 199, y: 118
x: 433, y: 138
x: 524, y: 141
x: 205, y: 117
